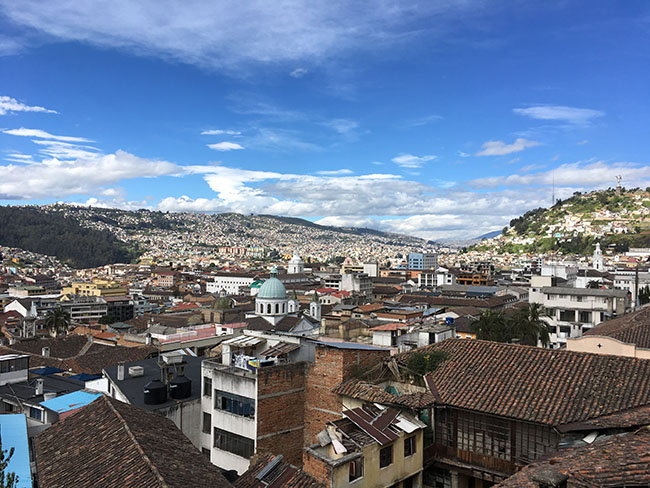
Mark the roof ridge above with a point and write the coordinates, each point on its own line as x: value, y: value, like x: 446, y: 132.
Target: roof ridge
x: 148, y: 461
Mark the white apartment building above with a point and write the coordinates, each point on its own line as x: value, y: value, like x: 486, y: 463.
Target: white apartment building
x: 232, y: 283
x: 572, y: 311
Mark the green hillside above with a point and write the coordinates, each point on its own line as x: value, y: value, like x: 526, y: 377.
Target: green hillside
x: 573, y: 226
x: 31, y: 229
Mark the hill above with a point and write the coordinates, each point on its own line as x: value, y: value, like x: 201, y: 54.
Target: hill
x: 88, y: 237
x: 31, y: 229
x: 619, y: 220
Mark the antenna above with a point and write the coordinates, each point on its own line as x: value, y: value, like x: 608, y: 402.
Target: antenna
x: 553, y: 197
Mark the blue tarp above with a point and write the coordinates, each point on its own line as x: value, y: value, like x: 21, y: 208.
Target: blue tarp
x: 71, y: 401
x: 46, y: 370
x: 13, y: 431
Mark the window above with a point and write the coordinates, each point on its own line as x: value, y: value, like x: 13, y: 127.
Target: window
x: 207, y: 422
x: 356, y: 469
x: 236, y: 404
x: 205, y: 452
x: 409, y: 446
x: 239, y: 445
x: 207, y: 386
x: 35, y: 413
x: 386, y: 456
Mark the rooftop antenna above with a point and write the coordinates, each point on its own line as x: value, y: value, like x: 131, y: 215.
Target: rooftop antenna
x: 553, y: 197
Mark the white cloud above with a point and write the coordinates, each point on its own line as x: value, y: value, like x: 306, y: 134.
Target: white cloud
x: 225, y: 146
x: 583, y: 175
x: 53, y: 178
x: 571, y: 115
x: 335, y: 172
x: 230, y: 33
x: 217, y: 132
x: 9, y: 105
x: 410, y: 161
x: 66, y: 150
x: 279, y: 139
x: 299, y: 72
x: 342, y: 126
x: 421, y: 121
x: 500, y: 148
x: 41, y: 134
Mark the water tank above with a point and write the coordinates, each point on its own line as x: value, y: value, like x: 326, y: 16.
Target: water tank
x: 180, y: 387
x: 155, y: 393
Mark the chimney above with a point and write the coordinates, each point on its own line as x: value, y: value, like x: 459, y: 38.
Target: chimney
x: 120, y: 372
x: 39, y: 386
x: 147, y: 339
x: 45, y: 352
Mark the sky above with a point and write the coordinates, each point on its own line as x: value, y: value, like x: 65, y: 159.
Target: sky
x: 441, y: 119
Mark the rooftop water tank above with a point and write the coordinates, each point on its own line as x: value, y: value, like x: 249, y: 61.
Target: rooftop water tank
x: 155, y: 393
x: 180, y: 387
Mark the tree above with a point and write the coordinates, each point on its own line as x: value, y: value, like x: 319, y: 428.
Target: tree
x: 107, y: 319
x: 490, y: 326
x: 7, y: 480
x: 527, y: 326
x: 57, y: 321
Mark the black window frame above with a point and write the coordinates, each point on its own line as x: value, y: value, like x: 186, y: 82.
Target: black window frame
x: 236, y: 444
x: 207, y: 386
x: 410, y: 446
x: 385, y: 454
x: 234, y: 404
x: 207, y: 423
x: 355, y: 469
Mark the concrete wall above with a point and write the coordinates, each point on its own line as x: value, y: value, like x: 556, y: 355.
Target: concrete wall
x: 187, y: 417
x: 337, y: 475
x: 606, y: 345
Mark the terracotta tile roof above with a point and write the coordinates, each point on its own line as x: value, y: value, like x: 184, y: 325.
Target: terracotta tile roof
x: 283, y: 475
x: 482, y: 303
x: 632, y: 328
x: 625, y: 419
x: 371, y: 307
x: 390, y: 326
x: 74, y: 353
x: 368, y: 392
x: 622, y: 460
x: 549, y: 386
x: 114, y: 445
x: 60, y: 347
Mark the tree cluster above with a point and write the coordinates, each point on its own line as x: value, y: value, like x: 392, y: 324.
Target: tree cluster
x: 53, y: 234
x: 523, y: 326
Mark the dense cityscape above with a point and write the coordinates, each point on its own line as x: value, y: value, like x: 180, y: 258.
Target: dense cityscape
x: 324, y: 245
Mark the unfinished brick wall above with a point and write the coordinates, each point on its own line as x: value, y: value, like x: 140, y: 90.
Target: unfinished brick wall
x: 317, y: 468
x: 331, y: 367
x: 281, y: 410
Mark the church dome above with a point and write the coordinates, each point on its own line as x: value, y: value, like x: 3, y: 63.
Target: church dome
x: 296, y: 260
x: 273, y: 287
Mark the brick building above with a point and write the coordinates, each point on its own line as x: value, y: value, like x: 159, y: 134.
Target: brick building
x: 334, y: 362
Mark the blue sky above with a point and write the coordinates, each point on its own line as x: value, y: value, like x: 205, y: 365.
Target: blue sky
x: 442, y: 119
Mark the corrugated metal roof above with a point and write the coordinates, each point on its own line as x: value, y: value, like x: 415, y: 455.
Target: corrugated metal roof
x: 244, y: 341
x: 279, y: 349
x: 71, y: 401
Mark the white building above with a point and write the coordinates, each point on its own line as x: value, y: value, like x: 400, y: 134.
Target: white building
x: 231, y: 283
x: 572, y: 311
x: 296, y: 265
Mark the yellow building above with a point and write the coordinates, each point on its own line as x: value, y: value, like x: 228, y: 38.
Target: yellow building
x: 95, y: 288
x: 370, y: 447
